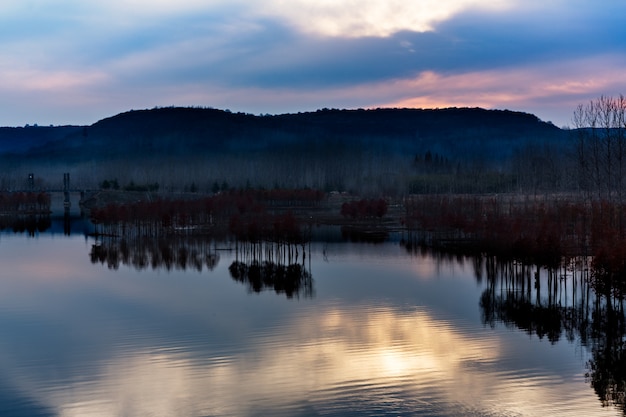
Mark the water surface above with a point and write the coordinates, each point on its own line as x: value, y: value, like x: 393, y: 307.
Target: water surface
x: 380, y: 332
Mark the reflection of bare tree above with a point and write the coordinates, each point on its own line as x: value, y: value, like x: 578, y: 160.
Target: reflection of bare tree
x: 607, y: 368
x: 545, y: 302
x: 267, y: 267
x: 168, y: 253
x: 555, y: 302
x: 26, y: 223
x: 292, y: 280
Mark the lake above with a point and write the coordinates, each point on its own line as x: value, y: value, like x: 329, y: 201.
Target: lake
x: 190, y: 328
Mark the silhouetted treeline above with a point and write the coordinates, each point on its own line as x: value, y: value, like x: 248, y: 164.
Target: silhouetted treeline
x: 388, y: 152
x: 185, y: 130
x: 19, y: 202
x: 535, y: 230
x: 368, y: 152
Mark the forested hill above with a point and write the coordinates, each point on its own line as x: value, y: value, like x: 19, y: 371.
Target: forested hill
x: 453, y: 133
x: 22, y: 139
x: 382, y: 151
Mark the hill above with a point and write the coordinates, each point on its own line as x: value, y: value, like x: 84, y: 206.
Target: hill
x: 328, y: 148
x: 191, y: 130
x: 22, y: 139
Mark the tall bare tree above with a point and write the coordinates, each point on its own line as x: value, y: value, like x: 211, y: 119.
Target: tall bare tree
x: 601, y: 147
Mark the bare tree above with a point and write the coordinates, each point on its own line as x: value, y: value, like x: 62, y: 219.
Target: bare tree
x: 601, y: 147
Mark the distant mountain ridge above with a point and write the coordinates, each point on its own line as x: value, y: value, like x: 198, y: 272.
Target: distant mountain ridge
x: 179, y: 130
x: 22, y: 139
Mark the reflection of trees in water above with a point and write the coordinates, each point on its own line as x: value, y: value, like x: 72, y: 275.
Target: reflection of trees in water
x: 561, y: 301
x: 571, y: 300
x: 267, y: 266
x: 26, y: 223
x: 545, y: 302
x: 278, y: 266
x: 168, y: 253
x: 607, y: 368
x: 292, y: 280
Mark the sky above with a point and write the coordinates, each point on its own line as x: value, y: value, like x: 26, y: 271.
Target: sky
x: 76, y: 62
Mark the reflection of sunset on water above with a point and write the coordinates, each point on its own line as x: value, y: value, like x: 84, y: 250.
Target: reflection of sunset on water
x: 381, y: 356
x: 425, y: 268
x: 387, y: 332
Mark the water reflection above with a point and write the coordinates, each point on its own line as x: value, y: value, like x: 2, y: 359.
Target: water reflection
x: 346, y: 361
x: 157, y: 253
x: 377, y: 339
x: 378, y: 357
x: 67, y: 222
x: 607, y: 368
x: 273, y: 266
x: 544, y: 302
x: 554, y: 302
x: 261, y: 266
x: 292, y: 279
x: 26, y: 223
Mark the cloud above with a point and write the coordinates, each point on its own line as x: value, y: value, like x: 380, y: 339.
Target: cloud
x: 51, y: 81
x: 249, y: 52
x: 310, y: 53
x: 370, y: 18
x: 550, y: 90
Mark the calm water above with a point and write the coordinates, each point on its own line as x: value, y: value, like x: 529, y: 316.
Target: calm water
x: 373, y: 331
